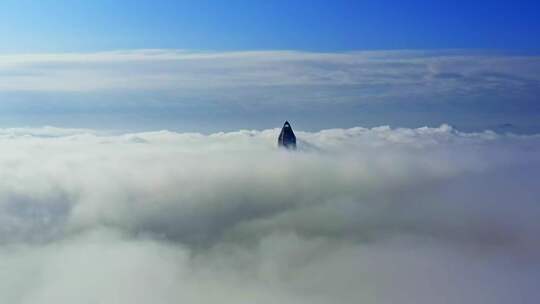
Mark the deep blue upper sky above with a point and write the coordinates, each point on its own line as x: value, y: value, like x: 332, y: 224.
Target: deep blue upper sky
x: 314, y: 25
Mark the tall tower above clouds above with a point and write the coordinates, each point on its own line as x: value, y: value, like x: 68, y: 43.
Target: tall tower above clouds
x: 287, y: 139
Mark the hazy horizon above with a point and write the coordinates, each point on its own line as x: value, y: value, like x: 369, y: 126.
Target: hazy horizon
x: 223, y: 91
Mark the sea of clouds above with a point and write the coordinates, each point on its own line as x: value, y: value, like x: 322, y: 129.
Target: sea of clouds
x: 381, y: 215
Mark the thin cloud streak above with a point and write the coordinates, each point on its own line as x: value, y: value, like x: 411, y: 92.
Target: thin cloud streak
x: 212, y: 91
x: 429, y: 71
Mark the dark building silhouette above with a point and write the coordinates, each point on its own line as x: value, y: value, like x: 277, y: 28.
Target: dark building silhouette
x: 287, y: 139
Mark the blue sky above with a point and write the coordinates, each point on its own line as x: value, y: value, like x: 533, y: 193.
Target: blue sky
x: 315, y: 25
x: 222, y: 65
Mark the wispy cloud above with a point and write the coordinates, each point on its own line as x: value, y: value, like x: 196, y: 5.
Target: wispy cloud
x: 211, y: 91
x: 424, y: 72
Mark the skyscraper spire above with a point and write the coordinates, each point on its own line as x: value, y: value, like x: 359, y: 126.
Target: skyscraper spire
x: 287, y: 139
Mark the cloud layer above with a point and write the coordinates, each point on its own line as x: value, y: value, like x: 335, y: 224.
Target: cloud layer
x: 212, y: 91
x: 375, y: 215
x: 426, y: 71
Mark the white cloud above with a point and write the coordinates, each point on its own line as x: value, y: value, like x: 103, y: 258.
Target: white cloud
x: 210, y: 91
x: 423, y: 72
x: 357, y: 215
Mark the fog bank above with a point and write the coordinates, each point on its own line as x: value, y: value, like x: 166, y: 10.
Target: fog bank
x: 381, y: 215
